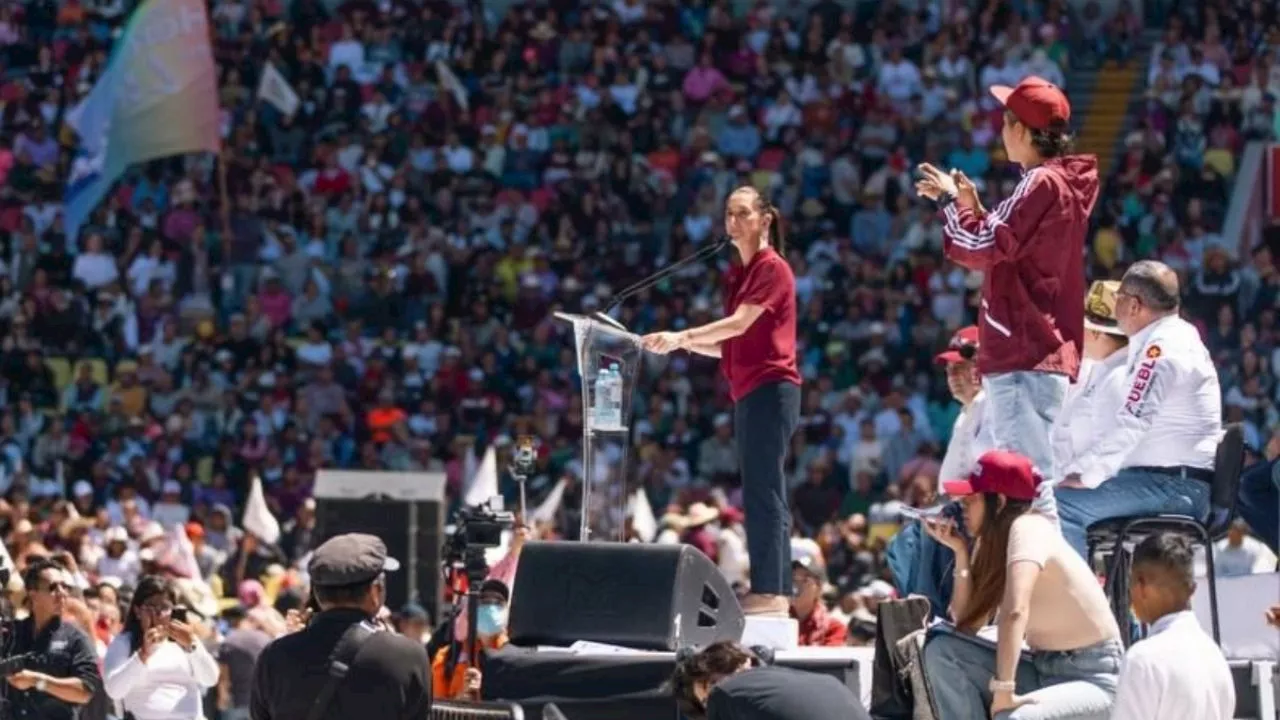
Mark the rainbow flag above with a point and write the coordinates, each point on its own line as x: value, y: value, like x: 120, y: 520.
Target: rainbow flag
x: 157, y: 97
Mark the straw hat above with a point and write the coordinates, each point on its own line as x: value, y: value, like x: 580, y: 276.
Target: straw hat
x: 1100, y: 308
x: 700, y: 514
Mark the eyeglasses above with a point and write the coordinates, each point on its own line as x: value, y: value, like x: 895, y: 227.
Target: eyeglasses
x: 54, y: 587
x: 157, y: 608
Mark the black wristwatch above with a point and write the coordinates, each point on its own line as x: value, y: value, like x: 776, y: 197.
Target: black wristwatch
x: 944, y: 200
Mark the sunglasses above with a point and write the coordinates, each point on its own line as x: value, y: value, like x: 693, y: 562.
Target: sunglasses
x: 54, y: 587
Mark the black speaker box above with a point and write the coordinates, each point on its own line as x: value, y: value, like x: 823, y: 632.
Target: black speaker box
x: 417, y: 549
x: 646, y: 597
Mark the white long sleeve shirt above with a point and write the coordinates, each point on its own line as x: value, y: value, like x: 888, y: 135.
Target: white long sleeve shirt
x: 1171, y: 412
x: 1177, y: 673
x: 168, y: 686
x: 1088, y: 408
x: 970, y: 438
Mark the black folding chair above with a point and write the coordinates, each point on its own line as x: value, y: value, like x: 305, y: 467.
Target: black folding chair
x: 1112, y: 537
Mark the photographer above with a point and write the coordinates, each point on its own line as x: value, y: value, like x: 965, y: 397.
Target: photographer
x: 385, y: 674
x: 157, y: 669
x: 61, y: 674
x: 453, y: 676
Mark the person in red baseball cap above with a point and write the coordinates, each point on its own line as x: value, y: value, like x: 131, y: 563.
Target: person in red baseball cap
x: 1030, y: 249
x: 968, y: 440
x: 1022, y: 573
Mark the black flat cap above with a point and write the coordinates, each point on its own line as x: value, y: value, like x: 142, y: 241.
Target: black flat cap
x: 350, y: 559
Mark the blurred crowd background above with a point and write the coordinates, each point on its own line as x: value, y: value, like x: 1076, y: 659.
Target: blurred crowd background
x: 376, y: 291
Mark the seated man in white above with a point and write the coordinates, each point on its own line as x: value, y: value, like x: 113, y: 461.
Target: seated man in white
x: 1091, y: 401
x: 1178, y: 672
x: 1155, y: 452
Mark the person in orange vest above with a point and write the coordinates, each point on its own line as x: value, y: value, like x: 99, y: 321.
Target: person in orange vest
x: 462, y: 681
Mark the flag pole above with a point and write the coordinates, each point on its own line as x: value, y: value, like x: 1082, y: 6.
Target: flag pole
x: 222, y: 195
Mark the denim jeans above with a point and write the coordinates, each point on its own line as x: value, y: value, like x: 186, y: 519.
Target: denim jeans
x: 1130, y: 492
x: 1020, y: 409
x: 764, y: 421
x: 921, y: 565
x: 1258, y: 501
x: 1072, y: 685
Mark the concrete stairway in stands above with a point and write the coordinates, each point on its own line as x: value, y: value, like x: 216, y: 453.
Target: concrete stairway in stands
x: 1108, y: 112
x: 1114, y: 103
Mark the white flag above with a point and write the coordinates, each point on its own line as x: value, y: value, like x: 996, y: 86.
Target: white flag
x: 276, y: 90
x: 484, y: 483
x: 643, y: 522
x: 179, y: 555
x: 449, y: 81
x: 550, y: 507
x: 257, y: 516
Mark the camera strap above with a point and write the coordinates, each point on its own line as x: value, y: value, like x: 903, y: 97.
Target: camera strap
x: 344, y: 653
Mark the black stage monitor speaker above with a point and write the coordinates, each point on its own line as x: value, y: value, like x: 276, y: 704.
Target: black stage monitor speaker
x: 406, y: 510
x: 646, y: 597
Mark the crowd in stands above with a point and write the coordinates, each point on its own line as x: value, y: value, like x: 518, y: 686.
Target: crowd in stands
x: 375, y: 291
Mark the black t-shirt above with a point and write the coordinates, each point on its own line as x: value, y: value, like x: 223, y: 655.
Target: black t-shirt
x: 389, y: 678
x: 777, y: 693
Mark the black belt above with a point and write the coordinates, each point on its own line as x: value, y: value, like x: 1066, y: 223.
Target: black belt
x: 1194, y: 473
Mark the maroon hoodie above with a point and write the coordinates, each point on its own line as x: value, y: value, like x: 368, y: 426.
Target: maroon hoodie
x: 1030, y: 249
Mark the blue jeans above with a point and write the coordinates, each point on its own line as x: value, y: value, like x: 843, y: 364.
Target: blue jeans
x: 921, y: 565
x: 1020, y: 409
x: 1071, y: 685
x: 1258, y: 501
x: 1130, y: 492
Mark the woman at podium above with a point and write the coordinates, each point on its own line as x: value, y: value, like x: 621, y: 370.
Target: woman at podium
x: 756, y: 345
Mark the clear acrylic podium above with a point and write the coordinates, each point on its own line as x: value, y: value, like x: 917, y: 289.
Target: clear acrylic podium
x: 599, y: 345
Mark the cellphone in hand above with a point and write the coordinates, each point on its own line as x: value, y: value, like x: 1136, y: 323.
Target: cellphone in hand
x: 179, y: 614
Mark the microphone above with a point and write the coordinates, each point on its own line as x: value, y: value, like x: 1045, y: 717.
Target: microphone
x: 655, y: 278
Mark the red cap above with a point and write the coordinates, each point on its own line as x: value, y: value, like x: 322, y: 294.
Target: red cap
x: 1036, y: 102
x: 999, y: 471
x: 966, y: 337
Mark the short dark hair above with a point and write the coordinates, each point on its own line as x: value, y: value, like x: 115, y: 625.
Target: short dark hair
x: 327, y: 595
x: 709, y: 665
x: 1054, y: 141
x: 1154, y: 284
x: 1169, y: 557
x: 35, y: 567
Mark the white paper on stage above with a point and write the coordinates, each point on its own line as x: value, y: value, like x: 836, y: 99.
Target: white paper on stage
x: 1242, y: 608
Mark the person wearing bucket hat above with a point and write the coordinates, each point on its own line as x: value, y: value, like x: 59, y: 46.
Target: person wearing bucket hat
x: 1022, y: 572
x: 1030, y: 249
x: 1100, y: 387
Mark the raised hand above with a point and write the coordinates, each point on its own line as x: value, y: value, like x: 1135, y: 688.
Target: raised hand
x: 933, y: 183
x: 966, y: 192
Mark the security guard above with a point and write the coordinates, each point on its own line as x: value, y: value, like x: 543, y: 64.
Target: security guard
x: 342, y: 665
x: 1090, y: 403
x: 60, y: 673
x: 1156, y: 451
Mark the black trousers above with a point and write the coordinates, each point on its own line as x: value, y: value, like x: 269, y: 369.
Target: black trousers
x: 764, y: 421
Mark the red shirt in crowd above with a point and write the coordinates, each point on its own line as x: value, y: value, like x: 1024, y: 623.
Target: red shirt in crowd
x: 820, y: 629
x: 766, y: 352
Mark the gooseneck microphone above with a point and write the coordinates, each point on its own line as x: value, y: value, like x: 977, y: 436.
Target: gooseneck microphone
x: 655, y: 278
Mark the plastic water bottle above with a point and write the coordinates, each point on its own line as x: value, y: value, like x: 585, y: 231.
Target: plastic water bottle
x: 615, y: 394
x: 600, y: 403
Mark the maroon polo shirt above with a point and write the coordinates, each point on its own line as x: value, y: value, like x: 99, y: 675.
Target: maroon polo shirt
x: 766, y: 352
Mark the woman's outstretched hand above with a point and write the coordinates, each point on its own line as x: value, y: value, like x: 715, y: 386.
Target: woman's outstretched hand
x: 661, y: 343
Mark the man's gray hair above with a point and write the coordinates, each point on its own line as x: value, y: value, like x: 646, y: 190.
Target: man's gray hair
x: 1154, y: 284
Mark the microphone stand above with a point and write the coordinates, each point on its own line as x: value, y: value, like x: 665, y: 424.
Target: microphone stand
x: 654, y: 279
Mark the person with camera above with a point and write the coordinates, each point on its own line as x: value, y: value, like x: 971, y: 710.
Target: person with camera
x: 343, y: 664
x: 157, y: 669
x: 60, y: 674
x: 453, y: 675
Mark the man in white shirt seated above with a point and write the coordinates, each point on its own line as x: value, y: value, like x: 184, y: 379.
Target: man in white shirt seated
x: 1155, y: 452
x: 1178, y: 672
x: 920, y: 564
x: 1101, y: 385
